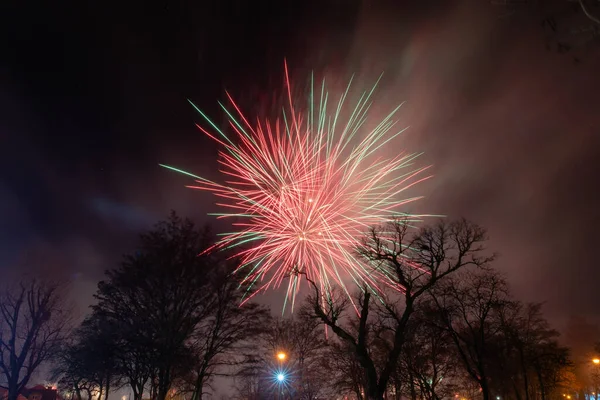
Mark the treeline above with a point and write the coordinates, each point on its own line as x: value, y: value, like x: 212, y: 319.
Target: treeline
x: 454, y: 331
x: 167, y: 321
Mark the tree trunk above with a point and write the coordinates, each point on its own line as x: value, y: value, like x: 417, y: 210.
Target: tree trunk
x: 107, y: 387
x: 141, y: 390
x: 372, y: 391
x: 524, y: 371
x: 516, y: 389
x: 13, y: 385
x: 485, y: 390
x: 372, y: 384
x: 397, y: 389
x: 164, y: 383
x: 163, y: 391
x: 138, y: 390
x: 541, y: 381
x: 199, y: 387
x: 413, y: 392
x: 154, y: 386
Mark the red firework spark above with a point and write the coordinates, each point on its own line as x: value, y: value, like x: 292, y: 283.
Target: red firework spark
x: 306, y: 188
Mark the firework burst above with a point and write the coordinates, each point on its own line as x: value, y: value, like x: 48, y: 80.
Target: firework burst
x: 305, y: 188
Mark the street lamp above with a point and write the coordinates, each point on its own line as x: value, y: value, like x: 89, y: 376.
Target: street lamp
x: 280, y: 377
x: 596, y: 374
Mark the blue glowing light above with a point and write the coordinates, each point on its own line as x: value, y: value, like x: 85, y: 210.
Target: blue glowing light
x: 280, y: 377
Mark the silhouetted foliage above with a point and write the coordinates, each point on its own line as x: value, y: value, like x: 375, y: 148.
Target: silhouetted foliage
x: 169, y: 317
x: 73, y: 373
x: 88, y: 364
x: 159, y: 294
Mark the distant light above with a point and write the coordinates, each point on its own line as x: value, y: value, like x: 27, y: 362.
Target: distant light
x: 280, y: 377
x: 281, y: 355
x: 497, y: 397
x: 596, y: 360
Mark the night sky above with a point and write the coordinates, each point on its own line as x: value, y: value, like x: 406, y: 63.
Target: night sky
x: 94, y: 96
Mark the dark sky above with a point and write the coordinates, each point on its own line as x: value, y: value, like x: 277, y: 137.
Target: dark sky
x: 93, y: 96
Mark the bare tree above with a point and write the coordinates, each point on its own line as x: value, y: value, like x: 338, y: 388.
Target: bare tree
x: 413, y: 264
x: 470, y: 308
x: 568, y: 24
x: 250, y: 382
x: 226, y: 331
x: 347, y: 377
x: 75, y: 371
x: 33, y: 324
x: 531, y: 351
x: 428, y: 362
x: 103, y: 353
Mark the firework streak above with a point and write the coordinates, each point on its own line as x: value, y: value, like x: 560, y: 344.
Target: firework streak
x: 305, y: 189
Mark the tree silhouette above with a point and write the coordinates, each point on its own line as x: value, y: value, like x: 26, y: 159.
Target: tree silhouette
x: 33, y: 324
x: 438, y: 251
x: 157, y: 297
x: 469, y: 308
x: 226, y: 331
x: 88, y: 363
x: 428, y: 364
